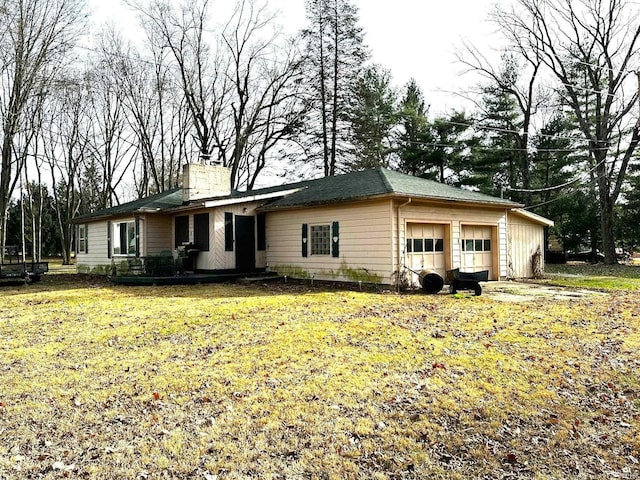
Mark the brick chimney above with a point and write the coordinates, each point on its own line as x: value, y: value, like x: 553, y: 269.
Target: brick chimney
x: 205, y: 181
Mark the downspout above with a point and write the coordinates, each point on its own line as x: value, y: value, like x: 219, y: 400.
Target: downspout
x: 400, y: 249
x: 508, y: 248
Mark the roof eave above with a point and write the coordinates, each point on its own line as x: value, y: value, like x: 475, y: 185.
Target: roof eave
x: 534, y: 217
x: 93, y: 218
x: 450, y: 200
x: 444, y: 200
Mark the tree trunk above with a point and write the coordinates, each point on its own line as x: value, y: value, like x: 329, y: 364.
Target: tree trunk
x: 606, y: 204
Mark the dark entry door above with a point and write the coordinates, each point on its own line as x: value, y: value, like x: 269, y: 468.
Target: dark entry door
x: 245, y: 244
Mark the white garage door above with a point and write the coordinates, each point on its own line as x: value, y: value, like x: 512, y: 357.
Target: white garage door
x: 425, y: 248
x: 476, y: 245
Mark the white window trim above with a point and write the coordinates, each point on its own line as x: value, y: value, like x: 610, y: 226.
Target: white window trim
x: 311, y: 242
x: 115, y: 237
x: 82, y: 238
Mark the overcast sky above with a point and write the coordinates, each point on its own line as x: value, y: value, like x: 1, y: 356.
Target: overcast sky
x: 412, y: 38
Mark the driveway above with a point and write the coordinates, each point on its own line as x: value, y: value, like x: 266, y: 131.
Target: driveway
x: 510, y: 291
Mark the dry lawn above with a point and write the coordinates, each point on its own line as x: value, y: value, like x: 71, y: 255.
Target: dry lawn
x: 293, y: 382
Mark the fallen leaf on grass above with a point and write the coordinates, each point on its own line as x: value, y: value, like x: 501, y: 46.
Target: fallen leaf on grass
x: 63, y: 466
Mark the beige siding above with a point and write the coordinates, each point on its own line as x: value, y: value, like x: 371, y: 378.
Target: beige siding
x: 156, y: 234
x: 373, y: 237
x: 365, y: 242
x: 97, y: 254
x: 216, y: 258
x: 158, y: 231
x: 525, y: 238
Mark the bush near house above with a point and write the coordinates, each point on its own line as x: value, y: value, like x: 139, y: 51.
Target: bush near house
x: 294, y: 381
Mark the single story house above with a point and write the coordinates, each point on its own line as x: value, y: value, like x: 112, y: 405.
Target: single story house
x: 370, y: 226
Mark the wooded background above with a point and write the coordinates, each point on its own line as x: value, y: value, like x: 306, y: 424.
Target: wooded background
x: 91, y: 119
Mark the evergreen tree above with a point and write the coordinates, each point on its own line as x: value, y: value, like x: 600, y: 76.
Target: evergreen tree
x: 558, y: 190
x: 334, y: 55
x: 496, y: 161
x: 447, y: 158
x: 414, y: 131
x: 628, y: 225
x: 437, y: 149
x: 372, y: 119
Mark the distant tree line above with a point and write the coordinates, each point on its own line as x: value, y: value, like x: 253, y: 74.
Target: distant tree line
x: 555, y: 123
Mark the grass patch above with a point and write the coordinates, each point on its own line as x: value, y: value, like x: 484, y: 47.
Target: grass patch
x: 599, y: 277
x: 287, y: 381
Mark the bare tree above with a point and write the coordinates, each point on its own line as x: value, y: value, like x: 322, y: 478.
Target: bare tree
x: 182, y: 30
x: 155, y: 110
x: 591, y: 48
x: 264, y: 73
x: 521, y: 84
x: 112, y: 146
x: 36, y: 35
x: 67, y: 134
x: 241, y: 92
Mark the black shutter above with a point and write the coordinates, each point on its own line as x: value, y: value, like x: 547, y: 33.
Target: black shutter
x: 262, y: 232
x: 335, y: 240
x: 137, y: 227
x: 109, y: 250
x: 305, y: 240
x: 181, y: 230
x: 86, y: 238
x: 124, y: 244
x: 228, y: 232
x: 201, y: 231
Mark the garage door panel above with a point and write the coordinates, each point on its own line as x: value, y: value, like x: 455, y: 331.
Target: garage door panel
x: 477, y: 248
x: 425, y: 248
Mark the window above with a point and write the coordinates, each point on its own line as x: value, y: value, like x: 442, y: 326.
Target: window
x: 124, y: 238
x: 320, y: 239
x: 201, y: 231
x: 181, y: 230
x: 82, y: 239
x: 469, y: 245
x: 425, y: 245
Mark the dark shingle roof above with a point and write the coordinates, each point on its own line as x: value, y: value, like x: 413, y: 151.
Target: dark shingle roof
x: 378, y: 182
x: 159, y: 202
x: 341, y: 188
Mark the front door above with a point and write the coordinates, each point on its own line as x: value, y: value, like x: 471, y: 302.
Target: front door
x: 245, y: 244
